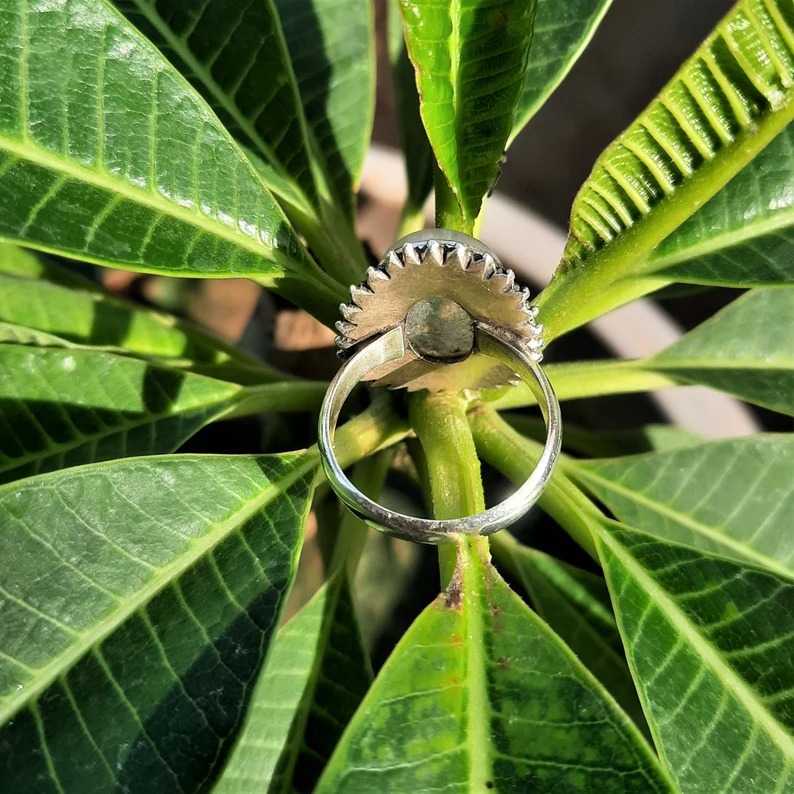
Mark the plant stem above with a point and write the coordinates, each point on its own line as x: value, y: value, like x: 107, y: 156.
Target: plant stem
x: 448, y: 212
x: 374, y: 429
x: 587, y: 379
x: 291, y: 396
x: 452, y: 465
x: 516, y: 457
x: 315, y: 292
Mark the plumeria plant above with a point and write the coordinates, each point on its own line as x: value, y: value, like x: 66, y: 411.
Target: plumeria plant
x: 143, y: 645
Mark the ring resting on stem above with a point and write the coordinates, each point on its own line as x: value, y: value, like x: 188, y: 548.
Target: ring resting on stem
x: 440, y: 331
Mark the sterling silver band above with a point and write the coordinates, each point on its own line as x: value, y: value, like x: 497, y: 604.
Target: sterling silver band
x: 391, y: 346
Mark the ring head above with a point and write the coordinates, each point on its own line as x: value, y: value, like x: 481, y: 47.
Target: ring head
x: 443, y: 264
x: 440, y: 331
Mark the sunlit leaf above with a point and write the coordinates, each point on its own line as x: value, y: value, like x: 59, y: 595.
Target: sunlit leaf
x: 470, y: 59
x: 734, y: 498
x: 710, y: 643
x: 744, y: 236
x: 479, y: 694
x: 721, y: 109
x: 112, y: 158
x: 92, y: 317
x: 234, y: 54
x: 142, y: 599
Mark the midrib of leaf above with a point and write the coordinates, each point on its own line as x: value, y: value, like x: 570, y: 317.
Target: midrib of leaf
x: 581, y: 473
x: 193, y: 553
x: 671, y: 363
x: 179, y: 46
x: 747, y: 232
x: 26, y: 151
x: 478, y: 723
x: 707, y: 651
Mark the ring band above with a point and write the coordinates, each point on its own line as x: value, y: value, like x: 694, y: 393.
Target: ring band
x: 391, y: 346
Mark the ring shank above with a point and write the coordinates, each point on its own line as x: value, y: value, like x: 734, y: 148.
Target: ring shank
x: 390, y: 347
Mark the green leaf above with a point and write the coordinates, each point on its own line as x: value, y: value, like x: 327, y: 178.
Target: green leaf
x: 576, y: 605
x: 112, y: 158
x: 721, y: 109
x: 562, y: 32
x: 332, y: 46
x: 235, y: 56
x: 91, y: 317
x: 141, y: 601
x: 24, y: 263
x: 469, y: 59
x: 710, y: 644
x: 65, y: 407
x: 744, y: 236
x: 479, y: 694
x: 746, y: 350
x: 413, y: 139
x: 315, y: 678
x: 732, y: 498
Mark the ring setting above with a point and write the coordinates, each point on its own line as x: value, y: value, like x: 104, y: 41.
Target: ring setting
x: 441, y: 313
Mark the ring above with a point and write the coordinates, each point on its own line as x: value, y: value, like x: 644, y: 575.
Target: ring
x: 411, y: 340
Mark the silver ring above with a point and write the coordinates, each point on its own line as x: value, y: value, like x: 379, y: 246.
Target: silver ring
x: 490, y: 341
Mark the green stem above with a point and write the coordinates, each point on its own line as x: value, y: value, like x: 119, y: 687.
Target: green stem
x: 372, y: 430
x: 453, y: 468
x: 448, y: 212
x: 315, y: 292
x: 574, y: 381
x: 289, y: 397
x: 516, y: 457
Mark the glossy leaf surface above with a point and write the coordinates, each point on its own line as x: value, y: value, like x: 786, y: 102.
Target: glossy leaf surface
x: 314, y: 680
x: 733, y: 498
x: 112, y: 158
x: 710, y: 643
x: 61, y: 407
x: 744, y: 236
x: 470, y: 58
x: 479, y: 694
x: 234, y: 54
x: 575, y: 603
x: 88, y: 316
x: 746, y: 349
x: 144, y: 590
x: 332, y: 47
x: 722, y: 108
x: 562, y: 32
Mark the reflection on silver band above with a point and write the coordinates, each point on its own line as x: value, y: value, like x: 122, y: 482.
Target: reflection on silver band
x: 391, y: 346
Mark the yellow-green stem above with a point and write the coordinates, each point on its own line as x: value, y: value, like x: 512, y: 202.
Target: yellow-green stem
x: 516, y: 457
x: 452, y: 465
x: 587, y: 379
x: 448, y: 212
